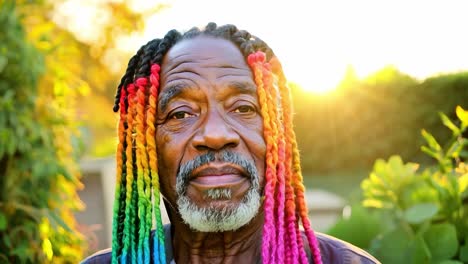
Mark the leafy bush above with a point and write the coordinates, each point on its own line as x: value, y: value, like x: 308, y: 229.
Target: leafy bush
x: 375, y: 117
x: 38, y: 174
x: 426, y: 208
x: 350, y: 227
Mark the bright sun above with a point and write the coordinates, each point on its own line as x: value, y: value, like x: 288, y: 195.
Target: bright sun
x: 319, y: 81
x: 317, y: 43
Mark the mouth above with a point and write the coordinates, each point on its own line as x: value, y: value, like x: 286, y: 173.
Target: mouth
x: 218, y: 176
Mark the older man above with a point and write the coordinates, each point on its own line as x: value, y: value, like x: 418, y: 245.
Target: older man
x: 205, y: 119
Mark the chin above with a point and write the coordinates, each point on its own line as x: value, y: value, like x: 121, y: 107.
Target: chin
x: 220, y: 214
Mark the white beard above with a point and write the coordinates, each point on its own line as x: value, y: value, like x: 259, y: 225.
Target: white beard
x: 218, y: 218
x: 215, y: 219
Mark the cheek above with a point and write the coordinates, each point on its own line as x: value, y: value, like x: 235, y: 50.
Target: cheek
x: 260, y: 152
x: 168, y: 159
x: 257, y: 147
x: 260, y: 162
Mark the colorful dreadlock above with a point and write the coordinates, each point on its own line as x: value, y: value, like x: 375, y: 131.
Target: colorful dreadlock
x: 137, y: 194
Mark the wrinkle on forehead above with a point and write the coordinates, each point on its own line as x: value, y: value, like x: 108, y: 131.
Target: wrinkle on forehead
x: 191, y: 58
x: 204, y: 49
x: 202, y: 58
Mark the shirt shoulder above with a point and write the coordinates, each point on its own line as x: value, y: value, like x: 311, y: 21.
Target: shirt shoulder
x: 334, y: 250
x: 105, y: 256
x: 100, y: 257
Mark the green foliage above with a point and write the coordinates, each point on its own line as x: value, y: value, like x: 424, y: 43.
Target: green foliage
x: 372, y: 118
x: 38, y: 175
x: 350, y: 228
x: 427, y: 209
x: 91, y: 65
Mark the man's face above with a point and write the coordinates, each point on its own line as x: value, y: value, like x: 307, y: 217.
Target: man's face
x: 211, y: 151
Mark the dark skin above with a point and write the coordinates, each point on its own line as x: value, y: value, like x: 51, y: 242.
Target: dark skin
x: 210, y: 104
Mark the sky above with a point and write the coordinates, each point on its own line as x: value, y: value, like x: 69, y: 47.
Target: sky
x: 316, y: 41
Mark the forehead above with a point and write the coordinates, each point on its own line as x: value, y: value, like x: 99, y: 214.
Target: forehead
x: 207, y: 52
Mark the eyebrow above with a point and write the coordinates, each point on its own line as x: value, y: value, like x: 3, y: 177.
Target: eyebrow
x: 175, y: 90
x: 170, y: 92
x: 243, y: 87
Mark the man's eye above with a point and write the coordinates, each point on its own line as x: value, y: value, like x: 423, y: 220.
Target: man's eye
x: 180, y: 115
x: 244, y: 109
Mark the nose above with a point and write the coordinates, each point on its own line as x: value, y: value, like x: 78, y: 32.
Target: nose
x: 215, y: 133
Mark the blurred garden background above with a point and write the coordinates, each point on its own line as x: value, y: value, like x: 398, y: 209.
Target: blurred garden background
x: 380, y: 90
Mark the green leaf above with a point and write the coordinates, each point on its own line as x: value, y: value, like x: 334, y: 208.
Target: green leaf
x: 448, y: 123
x: 423, y: 228
x: 11, y: 147
x: 374, y: 203
x: 442, y: 191
x: 420, y: 212
x: 442, y: 241
x: 462, y: 114
x: 59, y: 221
x: 398, y: 240
x: 431, y: 141
x: 448, y: 261
x: 456, y: 147
x: 3, y: 221
x: 464, y: 252
x: 462, y: 183
x: 375, y: 180
x: 464, y: 154
x: 47, y: 249
x: 454, y: 185
x: 360, y: 228
x: 430, y: 152
x: 418, y: 251
x: 3, y: 63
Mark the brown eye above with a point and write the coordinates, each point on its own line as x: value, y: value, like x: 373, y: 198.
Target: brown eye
x: 244, y: 109
x: 180, y: 115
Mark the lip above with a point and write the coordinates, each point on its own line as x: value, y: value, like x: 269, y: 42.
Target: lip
x: 213, y: 169
x: 214, y: 175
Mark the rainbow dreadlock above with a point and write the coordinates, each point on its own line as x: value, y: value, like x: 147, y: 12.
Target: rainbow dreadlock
x: 137, y: 194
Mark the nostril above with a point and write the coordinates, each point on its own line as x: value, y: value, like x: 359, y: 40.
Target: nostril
x: 215, y: 139
x: 203, y: 146
x: 231, y: 145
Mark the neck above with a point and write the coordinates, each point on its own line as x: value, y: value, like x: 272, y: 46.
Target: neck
x: 239, y: 246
